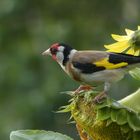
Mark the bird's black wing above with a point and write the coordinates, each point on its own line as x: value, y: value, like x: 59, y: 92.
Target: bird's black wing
x: 87, y: 68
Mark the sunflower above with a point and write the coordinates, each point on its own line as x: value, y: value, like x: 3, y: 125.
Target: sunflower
x: 129, y: 43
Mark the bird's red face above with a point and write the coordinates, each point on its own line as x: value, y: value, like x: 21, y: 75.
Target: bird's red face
x: 53, y: 50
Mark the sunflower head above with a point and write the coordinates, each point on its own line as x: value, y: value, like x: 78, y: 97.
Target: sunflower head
x: 129, y: 43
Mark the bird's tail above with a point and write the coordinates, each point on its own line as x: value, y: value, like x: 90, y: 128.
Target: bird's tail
x: 137, y: 59
x: 121, y: 57
x: 133, y: 59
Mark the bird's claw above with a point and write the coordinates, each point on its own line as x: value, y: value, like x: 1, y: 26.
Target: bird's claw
x: 83, y: 88
x: 99, y: 98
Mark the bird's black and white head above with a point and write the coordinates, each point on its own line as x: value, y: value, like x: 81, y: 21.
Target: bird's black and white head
x: 60, y: 52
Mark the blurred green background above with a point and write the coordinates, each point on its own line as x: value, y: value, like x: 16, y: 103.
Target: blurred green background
x: 30, y: 84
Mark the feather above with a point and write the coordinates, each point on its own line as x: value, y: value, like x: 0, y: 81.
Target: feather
x: 94, y: 61
x: 105, y: 62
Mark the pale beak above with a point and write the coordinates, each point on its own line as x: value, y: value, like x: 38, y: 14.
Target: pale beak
x: 47, y: 52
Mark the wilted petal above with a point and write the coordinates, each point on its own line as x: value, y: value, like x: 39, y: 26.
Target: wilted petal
x: 129, y: 32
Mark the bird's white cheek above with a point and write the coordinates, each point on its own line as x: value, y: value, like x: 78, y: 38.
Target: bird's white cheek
x: 60, y: 57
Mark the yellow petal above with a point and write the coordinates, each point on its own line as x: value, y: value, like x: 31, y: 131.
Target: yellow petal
x: 120, y: 37
x: 118, y: 46
x: 137, y: 53
x: 131, y: 51
x: 129, y: 32
x: 138, y: 27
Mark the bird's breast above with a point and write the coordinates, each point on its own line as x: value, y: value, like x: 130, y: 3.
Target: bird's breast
x: 72, y: 72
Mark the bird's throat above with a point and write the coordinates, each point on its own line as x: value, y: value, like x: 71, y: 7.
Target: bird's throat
x: 54, y: 57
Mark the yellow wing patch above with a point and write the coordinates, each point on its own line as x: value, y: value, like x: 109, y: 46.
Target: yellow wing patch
x: 105, y: 63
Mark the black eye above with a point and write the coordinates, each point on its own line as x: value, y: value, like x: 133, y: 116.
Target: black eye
x: 53, y: 50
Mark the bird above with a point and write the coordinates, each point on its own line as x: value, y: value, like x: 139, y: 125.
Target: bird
x: 92, y: 68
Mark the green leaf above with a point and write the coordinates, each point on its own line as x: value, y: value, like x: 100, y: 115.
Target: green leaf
x: 132, y: 102
x: 135, y: 73
x: 37, y: 135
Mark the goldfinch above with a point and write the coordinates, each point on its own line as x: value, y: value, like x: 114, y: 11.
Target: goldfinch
x: 90, y: 67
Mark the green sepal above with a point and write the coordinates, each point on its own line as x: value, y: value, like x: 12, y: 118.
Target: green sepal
x: 64, y: 109
x: 103, y: 114
x: 121, y: 117
x: 125, y: 128
x: 134, y: 121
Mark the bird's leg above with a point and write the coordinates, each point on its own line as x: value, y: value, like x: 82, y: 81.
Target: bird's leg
x: 83, y: 88
x: 102, y: 95
x: 106, y: 87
